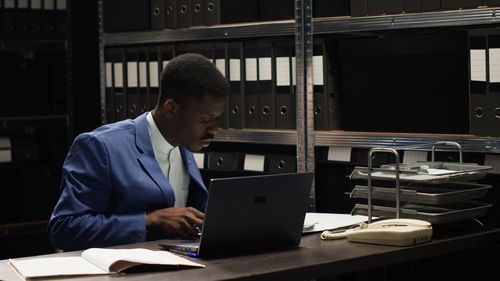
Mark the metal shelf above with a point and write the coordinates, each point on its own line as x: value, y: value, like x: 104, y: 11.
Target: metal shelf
x: 40, y: 121
x: 227, y: 31
x: 23, y: 228
x: 286, y: 137
x: 466, y: 17
x: 455, y: 18
x: 354, y: 139
x: 33, y: 45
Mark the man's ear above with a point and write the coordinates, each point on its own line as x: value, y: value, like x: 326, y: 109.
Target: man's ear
x: 170, y: 108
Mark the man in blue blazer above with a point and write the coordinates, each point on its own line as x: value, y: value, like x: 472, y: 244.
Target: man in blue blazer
x: 137, y: 180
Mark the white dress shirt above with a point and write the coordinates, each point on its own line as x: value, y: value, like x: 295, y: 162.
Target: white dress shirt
x: 170, y: 160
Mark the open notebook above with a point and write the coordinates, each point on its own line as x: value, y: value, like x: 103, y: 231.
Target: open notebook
x: 97, y: 261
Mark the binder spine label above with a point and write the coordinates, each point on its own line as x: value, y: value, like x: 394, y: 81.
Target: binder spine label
x: 317, y: 64
x: 283, y: 71
x: 221, y: 66
x: 131, y: 74
x: 494, y: 64
x: 109, y: 74
x: 234, y: 70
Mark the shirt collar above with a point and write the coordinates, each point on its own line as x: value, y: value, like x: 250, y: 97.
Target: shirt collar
x: 159, y: 143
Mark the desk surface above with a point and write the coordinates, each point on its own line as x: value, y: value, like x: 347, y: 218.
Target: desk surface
x: 314, y: 258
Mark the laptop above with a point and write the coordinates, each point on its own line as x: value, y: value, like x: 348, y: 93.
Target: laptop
x: 252, y: 213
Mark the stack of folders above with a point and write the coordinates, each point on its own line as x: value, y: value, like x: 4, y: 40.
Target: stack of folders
x: 32, y: 19
x: 484, y: 73
x: 261, y: 75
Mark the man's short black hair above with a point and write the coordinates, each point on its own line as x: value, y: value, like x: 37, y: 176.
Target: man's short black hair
x: 191, y: 76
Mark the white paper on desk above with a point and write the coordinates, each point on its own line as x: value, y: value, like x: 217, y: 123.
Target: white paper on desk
x: 326, y: 221
x: 56, y: 266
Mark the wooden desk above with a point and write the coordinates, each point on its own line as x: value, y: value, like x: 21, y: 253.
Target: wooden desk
x: 314, y: 259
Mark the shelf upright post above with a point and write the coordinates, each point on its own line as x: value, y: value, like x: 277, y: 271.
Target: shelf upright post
x: 102, y: 77
x: 69, y: 73
x: 304, y: 92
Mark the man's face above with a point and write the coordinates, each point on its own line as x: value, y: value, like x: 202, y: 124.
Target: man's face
x: 197, y: 121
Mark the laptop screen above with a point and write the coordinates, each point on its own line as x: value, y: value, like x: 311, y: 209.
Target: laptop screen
x: 254, y: 213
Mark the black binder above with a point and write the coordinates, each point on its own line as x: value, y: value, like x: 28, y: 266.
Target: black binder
x: 48, y: 28
x: 171, y: 14
x: 285, y: 97
x: 412, y: 6
x: 211, y: 9
x: 127, y: 15
x: 236, y: 100
x: 149, y: 100
x: 451, y: 4
x: 222, y: 64
x: 492, y: 111
x: 60, y: 19
x: 393, y: 6
x: 239, y: 11
x: 358, y: 8
x: 184, y: 15
x: 118, y: 58
x: 197, y: 13
x: 132, y: 82
x: 276, y: 10
x: 277, y: 164
x: 319, y: 88
x: 222, y: 161
x: 329, y: 8
x: 478, y: 43
x: 157, y: 14
x: 143, y: 70
x: 109, y: 92
x: 471, y: 3
x: 8, y: 23
x: 431, y: 5
x: 267, y: 107
x: 251, y: 55
x: 375, y: 7
x: 22, y: 25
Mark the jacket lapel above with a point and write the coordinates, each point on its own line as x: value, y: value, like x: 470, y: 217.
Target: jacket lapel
x: 148, y: 161
x: 192, y: 168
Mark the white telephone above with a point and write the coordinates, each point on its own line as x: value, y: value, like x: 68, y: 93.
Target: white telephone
x: 394, y: 232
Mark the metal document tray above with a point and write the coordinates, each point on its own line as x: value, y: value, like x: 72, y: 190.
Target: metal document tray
x: 429, y: 172
x: 421, y: 193
x: 433, y: 214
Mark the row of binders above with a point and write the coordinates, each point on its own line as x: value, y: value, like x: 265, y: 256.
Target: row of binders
x: 235, y: 161
x: 261, y: 75
x: 19, y: 149
x: 32, y: 19
x: 485, y: 82
x: 140, y: 15
x: 379, y: 7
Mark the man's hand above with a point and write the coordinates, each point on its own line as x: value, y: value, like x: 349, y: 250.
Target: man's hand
x: 183, y: 221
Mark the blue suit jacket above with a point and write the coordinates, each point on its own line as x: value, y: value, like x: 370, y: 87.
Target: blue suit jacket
x: 110, y: 179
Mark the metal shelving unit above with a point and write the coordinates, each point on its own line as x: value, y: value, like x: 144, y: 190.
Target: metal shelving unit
x: 361, y: 139
x: 337, y: 25
x: 31, y: 45
x: 454, y: 18
x: 225, y: 31
x: 285, y: 137
x: 38, y: 121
